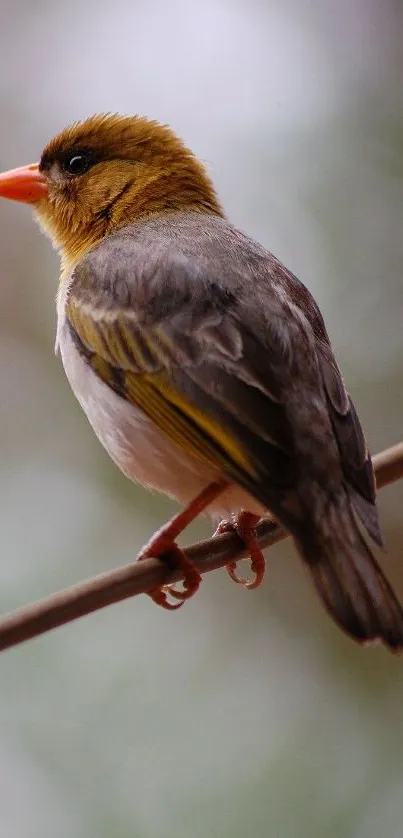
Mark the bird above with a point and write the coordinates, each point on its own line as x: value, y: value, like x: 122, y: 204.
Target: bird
x: 204, y: 365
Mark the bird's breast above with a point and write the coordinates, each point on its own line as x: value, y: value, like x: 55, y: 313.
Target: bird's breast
x: 131, y: 439
x: 141, y: 451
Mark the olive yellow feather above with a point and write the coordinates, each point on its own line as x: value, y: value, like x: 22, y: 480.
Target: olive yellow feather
x: 116, y: 356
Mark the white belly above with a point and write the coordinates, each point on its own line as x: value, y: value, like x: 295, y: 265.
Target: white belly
x: 137, y: 446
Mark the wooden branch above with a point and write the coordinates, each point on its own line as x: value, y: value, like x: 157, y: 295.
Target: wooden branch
x: 140, y: 577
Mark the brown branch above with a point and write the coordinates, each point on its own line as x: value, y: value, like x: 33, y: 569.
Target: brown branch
x: 140, y: 577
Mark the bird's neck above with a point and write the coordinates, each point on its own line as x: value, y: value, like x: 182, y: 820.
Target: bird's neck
x: 162, y: 193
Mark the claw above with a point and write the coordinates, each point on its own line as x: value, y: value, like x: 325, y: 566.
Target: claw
x: 159, y: 596
x: 244, y: 524
x: 163, y: 546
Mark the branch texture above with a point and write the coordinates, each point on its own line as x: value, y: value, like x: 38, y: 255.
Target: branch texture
x: 140, y: 577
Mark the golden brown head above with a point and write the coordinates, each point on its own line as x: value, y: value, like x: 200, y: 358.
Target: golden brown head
x: 106, y: 172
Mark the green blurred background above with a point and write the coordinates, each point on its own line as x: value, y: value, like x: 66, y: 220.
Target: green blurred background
x: 242, y: 714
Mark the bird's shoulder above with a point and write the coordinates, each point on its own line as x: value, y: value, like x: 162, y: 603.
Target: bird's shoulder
x: 192, y: 253
x: 185, y: 270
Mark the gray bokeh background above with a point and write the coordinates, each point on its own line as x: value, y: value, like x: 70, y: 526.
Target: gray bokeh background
x: 242, y: 714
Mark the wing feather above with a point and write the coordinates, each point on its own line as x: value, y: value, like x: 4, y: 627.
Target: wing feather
x: 168, y: 336
x: 354, y: 454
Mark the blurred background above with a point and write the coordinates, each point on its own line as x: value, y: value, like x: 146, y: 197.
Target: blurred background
x: 242, y: 714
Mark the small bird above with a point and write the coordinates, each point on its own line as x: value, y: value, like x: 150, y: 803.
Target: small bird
x: 204, y: 365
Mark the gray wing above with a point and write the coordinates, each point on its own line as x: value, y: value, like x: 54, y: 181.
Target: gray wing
x: 248, y: 352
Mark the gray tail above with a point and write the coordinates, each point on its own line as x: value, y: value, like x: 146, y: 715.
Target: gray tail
x: 350, y: 582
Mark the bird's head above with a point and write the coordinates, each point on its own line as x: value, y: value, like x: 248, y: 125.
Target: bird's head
x: 104, y: 173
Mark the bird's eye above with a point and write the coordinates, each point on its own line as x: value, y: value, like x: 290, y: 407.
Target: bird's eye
x: 76, y: 164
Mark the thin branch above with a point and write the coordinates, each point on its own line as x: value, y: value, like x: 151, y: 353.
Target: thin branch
x: 140, y: 577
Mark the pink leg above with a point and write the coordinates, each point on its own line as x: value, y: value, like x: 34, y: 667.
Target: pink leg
x: 244, y: 524
x: 163, y: 546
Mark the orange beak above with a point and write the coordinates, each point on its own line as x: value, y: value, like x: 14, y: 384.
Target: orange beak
x: 25, y: 184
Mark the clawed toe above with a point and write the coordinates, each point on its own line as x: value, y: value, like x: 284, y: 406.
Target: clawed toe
x: 174, y: 557
x: 244, y: 524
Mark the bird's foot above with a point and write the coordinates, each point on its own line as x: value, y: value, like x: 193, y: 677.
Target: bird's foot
x: 163, y: 546
x: 244, y: 524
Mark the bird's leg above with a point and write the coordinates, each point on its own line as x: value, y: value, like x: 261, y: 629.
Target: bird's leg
x: 163, y: 546
x: 244, y: 524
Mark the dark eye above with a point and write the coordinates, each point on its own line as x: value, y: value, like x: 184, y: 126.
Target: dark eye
x: 76, y: 164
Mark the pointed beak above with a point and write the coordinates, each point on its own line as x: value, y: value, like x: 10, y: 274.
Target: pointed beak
x: 25, y: 184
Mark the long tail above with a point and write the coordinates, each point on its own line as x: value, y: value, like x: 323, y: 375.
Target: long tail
x: 350, y: 582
